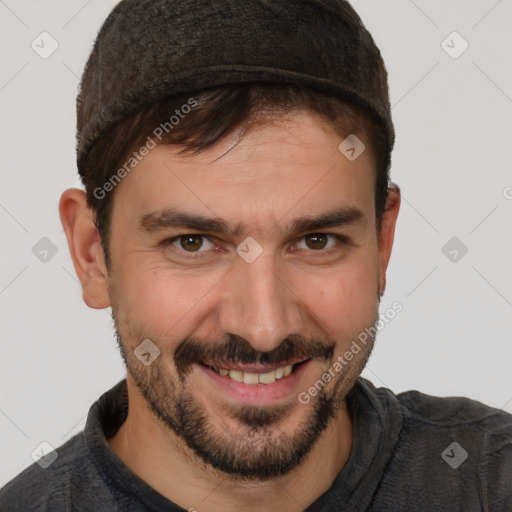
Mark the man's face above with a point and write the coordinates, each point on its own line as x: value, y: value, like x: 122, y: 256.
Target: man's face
x: 207, y: 306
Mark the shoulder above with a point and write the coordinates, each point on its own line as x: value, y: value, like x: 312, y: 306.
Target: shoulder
x: 48, y: 483
x: 458, y: 428
x: 437, y: 411
x: 454, y: 411
x: 447, y: 449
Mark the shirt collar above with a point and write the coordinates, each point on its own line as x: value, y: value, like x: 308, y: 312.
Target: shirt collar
x: 376, y: 424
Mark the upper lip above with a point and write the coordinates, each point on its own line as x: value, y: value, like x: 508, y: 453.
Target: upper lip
x: 253, y: 368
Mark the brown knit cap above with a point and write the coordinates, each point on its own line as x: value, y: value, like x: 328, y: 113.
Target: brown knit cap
x: 148, y: 50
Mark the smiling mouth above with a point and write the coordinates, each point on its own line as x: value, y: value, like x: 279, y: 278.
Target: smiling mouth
x: 258, y: 375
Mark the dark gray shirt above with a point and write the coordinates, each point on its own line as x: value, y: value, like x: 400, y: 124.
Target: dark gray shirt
x: 411, y: 452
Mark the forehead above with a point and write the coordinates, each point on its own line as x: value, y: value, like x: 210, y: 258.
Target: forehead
x: 291, y: 163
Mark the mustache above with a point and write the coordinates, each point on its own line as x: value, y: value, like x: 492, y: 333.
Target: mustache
x: 235, y: 349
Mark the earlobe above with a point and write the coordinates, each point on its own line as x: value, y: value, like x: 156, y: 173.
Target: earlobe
x: 85, y: 247
x: 387, y: 233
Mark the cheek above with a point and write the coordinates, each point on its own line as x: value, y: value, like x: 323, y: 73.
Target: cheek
x: 345, y: 301
x: 162, y: 301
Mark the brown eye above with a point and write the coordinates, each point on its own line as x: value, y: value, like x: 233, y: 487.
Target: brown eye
x: 316, y: 240
x: 323, y: 243
x: 191, y: 243
x: 189, y: 246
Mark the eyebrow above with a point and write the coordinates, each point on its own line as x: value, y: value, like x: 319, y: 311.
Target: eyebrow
x: 177, y: 218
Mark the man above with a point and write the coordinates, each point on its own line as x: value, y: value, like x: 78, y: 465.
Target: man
x: 238, y: 219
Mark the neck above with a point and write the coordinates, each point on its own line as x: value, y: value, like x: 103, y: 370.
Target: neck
x: 160, y: 458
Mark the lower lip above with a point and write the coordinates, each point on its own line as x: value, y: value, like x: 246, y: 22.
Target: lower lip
x: 261, y: 394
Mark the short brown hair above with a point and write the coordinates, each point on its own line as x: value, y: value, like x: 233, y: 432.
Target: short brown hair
x: 217, y: 113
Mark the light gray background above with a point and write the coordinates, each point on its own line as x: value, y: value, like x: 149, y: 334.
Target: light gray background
x: 452, y: 160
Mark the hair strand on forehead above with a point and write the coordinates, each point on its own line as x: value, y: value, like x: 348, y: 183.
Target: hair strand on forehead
x: 211, y: 116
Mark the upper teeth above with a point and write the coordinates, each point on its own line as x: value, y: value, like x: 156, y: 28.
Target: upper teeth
x: 255, y: 378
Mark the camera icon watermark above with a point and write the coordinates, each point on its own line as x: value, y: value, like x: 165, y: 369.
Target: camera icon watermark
x: 454, y: 455
x: 146, y: 352
x: 249, y: 250
x: 454, y: 45
x: 351, y: 147
x: 44, y: 45
x: 44, y: 250
x: 454, y: 249
x: 44, y: 454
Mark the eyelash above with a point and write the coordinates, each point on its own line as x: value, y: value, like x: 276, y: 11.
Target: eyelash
x: 192, y: 255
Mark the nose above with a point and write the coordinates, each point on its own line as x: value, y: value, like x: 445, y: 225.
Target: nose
x: 260, y: 304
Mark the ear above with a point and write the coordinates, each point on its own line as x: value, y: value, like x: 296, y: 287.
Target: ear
x: 84, y: 245
x: 387, y: 232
